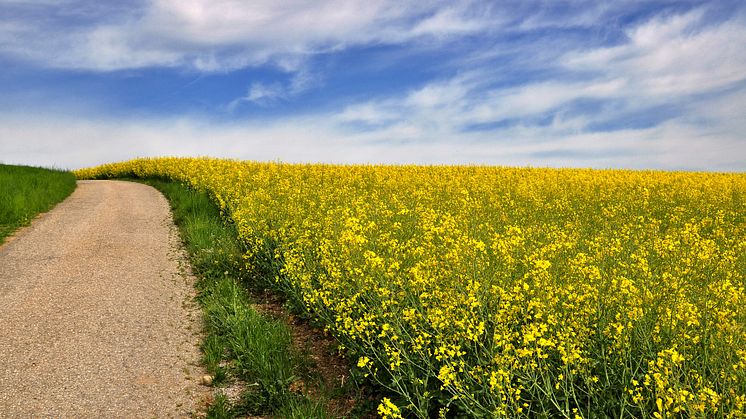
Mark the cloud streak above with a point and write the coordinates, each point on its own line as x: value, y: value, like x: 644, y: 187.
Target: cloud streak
x: 665, y: 63
x: 674, y: 145
x: 224, y: 35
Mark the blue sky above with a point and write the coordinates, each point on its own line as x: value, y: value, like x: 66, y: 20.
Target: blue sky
x: 618, y: 84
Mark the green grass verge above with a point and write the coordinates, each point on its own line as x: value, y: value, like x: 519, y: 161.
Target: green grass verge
x: 27, y: 191
x: 241, y: 344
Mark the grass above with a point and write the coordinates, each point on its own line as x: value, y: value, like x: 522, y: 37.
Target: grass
x: 27, y: 191
x: 242, y: 347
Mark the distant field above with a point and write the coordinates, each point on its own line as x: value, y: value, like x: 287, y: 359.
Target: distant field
x: 28, y: 191
x: 484, y: 291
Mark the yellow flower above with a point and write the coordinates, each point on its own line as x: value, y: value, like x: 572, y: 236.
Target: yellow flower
x: 498, y: 280
x: 387, y: 409
x: 363, y: 362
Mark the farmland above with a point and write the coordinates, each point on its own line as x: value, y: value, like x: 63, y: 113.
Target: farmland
x: 487, y: 291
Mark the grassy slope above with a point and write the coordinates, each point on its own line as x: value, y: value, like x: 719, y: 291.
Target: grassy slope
x: 241, y: 344
x: 28, y: 191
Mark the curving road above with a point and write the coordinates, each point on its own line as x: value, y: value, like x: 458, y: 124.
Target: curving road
x: 96, y: 312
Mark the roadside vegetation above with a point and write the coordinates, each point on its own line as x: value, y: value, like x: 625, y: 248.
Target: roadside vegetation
x: 27, y: 191
x: 261, y: 360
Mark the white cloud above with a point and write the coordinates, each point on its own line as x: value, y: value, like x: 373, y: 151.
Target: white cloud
x: 369, y: 113
x: 221, y: 35
x: 448, y: 21
x: 260, y: 93
x: 679, y: 143
x: 269, y: 93
x: 667, y: 61
x: 671, y: 56
x: 677, y: 60
x: 448, y: 107
x: 537, y: 98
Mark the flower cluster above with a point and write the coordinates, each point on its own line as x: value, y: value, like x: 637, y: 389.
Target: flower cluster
x: 488, y: 291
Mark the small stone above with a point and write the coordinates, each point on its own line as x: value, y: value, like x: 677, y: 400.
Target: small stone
x: 207, y: 380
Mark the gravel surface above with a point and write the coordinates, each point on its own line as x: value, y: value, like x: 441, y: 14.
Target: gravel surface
x: 96, y: 310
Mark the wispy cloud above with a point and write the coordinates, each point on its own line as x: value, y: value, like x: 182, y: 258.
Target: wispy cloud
x: 222, y: 35
x: 79, y: 142
x: 634, y: 83
x: 267, y: 94
x: 666, y: 61
x: 674, y: 55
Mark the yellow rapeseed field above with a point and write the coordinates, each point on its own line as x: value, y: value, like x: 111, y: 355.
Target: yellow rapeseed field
x: 504, y: 292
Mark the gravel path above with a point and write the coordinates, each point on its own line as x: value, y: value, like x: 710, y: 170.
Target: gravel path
x: 96, y: 312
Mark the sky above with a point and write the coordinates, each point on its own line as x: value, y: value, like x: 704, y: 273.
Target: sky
x: 605, y: 84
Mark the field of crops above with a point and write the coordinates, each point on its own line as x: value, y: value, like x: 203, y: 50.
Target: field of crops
x: 483, y: 291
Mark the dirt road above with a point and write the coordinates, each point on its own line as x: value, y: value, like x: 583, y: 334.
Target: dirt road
x: 96, y: 318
